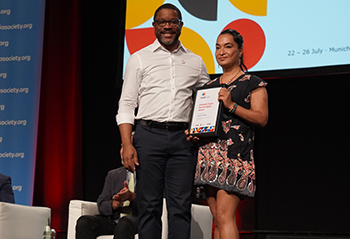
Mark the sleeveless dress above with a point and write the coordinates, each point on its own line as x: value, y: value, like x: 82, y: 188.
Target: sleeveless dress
x: 227, y: 161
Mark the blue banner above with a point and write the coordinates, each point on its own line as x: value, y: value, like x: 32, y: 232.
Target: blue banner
x: 21, y: 45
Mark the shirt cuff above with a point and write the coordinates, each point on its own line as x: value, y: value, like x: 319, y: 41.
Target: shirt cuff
x: 125, y: 118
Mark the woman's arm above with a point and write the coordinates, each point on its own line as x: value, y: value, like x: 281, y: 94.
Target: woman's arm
x: 258, y: 112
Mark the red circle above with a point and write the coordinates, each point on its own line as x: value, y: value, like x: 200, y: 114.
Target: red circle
x: 254, y: 40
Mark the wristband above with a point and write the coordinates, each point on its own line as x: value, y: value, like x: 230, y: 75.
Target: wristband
x: 234, y: 107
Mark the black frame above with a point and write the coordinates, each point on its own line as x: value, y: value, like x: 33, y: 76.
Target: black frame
x: 218, y: 118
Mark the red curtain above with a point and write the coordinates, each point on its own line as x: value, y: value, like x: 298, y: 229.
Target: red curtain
x: 58, y: 177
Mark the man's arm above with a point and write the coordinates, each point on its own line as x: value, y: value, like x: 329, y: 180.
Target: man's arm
x: 127, y: 104
x: 105, y: 199
x: 6, y: 193
x: 203, y: 76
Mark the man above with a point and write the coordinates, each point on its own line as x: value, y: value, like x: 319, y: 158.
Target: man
x: 6, y: 193
x: 110, y: 203
x: 159, y: 80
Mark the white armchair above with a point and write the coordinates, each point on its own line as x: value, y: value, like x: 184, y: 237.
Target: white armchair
x: 201, y: 225
x: 19, y: 221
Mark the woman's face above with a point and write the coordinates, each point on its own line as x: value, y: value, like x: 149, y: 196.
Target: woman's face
x: 227, y: 52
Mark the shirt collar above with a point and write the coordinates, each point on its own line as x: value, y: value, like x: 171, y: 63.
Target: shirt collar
x: 156, y: 45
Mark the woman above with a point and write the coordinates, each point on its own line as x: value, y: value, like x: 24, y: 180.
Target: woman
x: 225, y: 164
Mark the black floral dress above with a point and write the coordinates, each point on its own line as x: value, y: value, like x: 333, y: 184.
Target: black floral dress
x: 227, y: 161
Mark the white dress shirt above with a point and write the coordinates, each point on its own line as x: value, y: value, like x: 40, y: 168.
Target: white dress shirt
x: 160, y: 83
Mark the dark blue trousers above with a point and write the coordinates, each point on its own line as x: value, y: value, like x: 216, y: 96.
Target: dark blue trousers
x: 91, y: 227
x: 167, y: 161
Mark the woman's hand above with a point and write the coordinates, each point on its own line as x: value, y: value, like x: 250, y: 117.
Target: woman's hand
x: 225, y: 97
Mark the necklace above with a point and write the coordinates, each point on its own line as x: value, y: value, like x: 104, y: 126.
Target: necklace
x: 227, y: 83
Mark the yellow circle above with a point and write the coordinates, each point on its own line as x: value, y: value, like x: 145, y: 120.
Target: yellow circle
x: 252, y: 7
x: 195, y: 43
x: 138, y: 12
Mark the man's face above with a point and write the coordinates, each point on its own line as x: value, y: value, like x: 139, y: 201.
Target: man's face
x: 168, y: 35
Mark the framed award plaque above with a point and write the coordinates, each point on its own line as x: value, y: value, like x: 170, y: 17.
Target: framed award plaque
x: 207, y: 112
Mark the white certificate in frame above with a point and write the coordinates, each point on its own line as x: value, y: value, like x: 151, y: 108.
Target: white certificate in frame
x: 206, y: 114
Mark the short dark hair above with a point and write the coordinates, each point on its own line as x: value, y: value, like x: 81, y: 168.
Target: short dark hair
x: 238, y: 38
x: 167, y: 6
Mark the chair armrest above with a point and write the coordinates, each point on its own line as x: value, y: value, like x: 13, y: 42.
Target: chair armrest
x: 20, y: 221
x: 202, y: 222
x: 79, y: 208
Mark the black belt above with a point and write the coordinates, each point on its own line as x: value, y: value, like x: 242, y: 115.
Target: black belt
x: 171, y: 126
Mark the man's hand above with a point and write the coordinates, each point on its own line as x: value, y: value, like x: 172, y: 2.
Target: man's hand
x: 128, y: 152
x: 129, y: 157
x: 116, y: 204
x: 124, y: 195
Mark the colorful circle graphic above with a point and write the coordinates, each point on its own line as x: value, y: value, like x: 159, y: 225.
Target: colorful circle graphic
x: 254, y: 40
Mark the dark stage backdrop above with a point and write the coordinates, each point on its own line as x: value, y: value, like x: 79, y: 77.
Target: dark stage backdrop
x: 102, y: 48
x: 301, y: 156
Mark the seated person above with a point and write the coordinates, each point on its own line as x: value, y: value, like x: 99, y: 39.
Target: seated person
x: 114, y: 195
x: 6, y: 193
